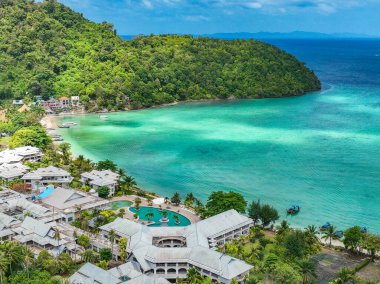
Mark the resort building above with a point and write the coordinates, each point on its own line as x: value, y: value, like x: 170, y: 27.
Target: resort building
x: 169, y: 252
x: 69, y: 201
x: 127, y: 273
x: 64, y: 102
x: 39, y: 235
x: 97, y: 179
x: 75, y: 101
x: 17, y: 102
x: 6, y: 222
x: 21, y: 154
x: 45, y: 176
x: 9, y: 172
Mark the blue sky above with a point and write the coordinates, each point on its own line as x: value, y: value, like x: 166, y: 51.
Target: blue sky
x: 132, y: 17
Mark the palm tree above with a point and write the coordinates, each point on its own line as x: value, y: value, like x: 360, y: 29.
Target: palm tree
x: 57, y: 235
x: 346, y: 275
x: 284, y: 226
x: 128, y: 181
x: 307, y: 269
x: 121, y: 172
x: 193, y: 276
x: 28, y: 259
x: 176, y: 218
x: 311, y: 234
x: 13, y: 254
x: 4, y: 262
x: 149, y: 215
x: 329, y: 234
x: 88, y: 256
x: 111, y: 237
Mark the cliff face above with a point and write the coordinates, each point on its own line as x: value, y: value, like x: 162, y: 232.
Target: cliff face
x: 47, y: 49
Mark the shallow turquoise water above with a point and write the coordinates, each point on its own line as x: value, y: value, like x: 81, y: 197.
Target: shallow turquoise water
x: 114, y: 205
x: 157, y: 215
x: 321, y: 151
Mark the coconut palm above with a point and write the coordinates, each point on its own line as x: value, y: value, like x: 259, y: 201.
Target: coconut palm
x: 111, y: 237
x: 57, y: 235
x: 311, y: 234
x: 149, y: 215
x: 128, y: 181
x: 27, y: 259
x: 193, y: 276
x: 4, y: 262
x: 283, y: 227
x: 89, y: 256
x: 307, y: 269
x: 13, y: 254
x: 346, y: 275
x: 176, y: 218
x: 329, y: 234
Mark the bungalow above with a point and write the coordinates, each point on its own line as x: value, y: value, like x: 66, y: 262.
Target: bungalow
x: 69, y: 201
x: 64, y: 102
x: 169, y: 252
x: 21, y: 154
x: 97, y: 179
x: 75, y: 101
x: 9, y: 172
x: 45, y: 176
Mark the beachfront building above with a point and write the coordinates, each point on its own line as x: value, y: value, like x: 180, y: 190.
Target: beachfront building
x: 42, y: 177
x: 9, y: 172
x: 64, y: 102
x: 75, y: 101
x: 17, y: 102
x: 68, y: 202
x: 127, y: 273
x: 97, y: 179
x: 21, y: 154
x: 169, y: 252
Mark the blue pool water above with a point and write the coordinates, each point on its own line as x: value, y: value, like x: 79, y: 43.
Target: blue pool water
x: 157, y: 215
x: 49, y: 190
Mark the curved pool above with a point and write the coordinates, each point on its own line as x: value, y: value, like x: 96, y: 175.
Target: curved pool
x: 157, y: 215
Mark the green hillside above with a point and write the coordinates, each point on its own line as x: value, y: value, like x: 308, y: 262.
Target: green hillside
x: 47, y: 49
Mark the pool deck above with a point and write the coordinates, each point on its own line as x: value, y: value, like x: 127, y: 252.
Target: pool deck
x: 178, y: 209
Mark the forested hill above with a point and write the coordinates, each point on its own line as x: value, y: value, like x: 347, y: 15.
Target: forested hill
x: 47, y: 49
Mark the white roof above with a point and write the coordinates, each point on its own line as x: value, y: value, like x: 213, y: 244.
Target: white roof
x: 91, y: 274
x: 42, y: 173
x: 34, y: 209
x: 101, y: 178
x: 197, y: 250
x: 18, y: 154
x: 12, y: 170
x: 62, y: 199
x: 7, y: 221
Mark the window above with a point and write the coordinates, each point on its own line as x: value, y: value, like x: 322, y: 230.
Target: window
x: 182, y: 271
x: 160, y: 271
x: 172, y: 271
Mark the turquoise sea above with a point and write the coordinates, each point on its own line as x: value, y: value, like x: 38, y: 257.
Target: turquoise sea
x: 321, y: 150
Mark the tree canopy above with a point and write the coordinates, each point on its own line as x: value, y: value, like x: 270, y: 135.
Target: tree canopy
x: 220, y: 201
x: 49, y: 50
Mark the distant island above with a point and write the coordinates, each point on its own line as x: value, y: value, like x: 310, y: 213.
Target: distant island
x: 53, y: 51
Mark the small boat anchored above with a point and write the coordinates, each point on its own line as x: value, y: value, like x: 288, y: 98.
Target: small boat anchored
x: 103, y: 116
x: 325, y: 227
x: 294, y: 209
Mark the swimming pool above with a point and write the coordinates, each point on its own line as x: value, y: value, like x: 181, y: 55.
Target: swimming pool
x: 49, y: 190
x: 119, y: 204
x: 157, y: 215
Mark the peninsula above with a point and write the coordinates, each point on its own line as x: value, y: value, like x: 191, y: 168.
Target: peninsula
x: 48, y: 50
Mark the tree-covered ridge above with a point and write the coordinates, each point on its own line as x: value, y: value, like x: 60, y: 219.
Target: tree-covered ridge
x: 47, y: 49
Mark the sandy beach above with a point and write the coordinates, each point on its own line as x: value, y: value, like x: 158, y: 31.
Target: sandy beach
x: 49, y: 122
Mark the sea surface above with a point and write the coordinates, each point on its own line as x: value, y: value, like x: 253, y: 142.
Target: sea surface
x: 321, y: 150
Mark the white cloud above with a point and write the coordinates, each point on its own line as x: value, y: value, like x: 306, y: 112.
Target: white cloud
x: 254, y: 5
x: 196, y: 18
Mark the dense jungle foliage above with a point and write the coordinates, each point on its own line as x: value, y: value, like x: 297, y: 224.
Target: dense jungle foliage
x: 47, y: 49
